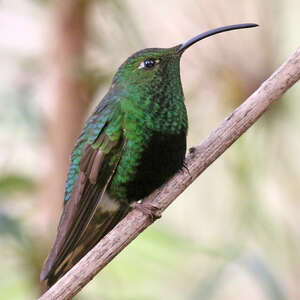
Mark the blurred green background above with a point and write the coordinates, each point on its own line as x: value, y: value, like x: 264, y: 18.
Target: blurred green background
x: 235, y: 233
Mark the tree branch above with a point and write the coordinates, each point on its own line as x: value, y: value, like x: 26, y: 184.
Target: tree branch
x: 198, y: 159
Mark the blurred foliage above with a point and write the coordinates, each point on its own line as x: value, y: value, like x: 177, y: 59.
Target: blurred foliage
x: 234, y: 234
x: 261, y: 272
x: 9, y: 226
x: 264, y: 276
x: 15, y: 183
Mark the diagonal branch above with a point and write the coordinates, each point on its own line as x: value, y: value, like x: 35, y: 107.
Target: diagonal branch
x: 198, y: 159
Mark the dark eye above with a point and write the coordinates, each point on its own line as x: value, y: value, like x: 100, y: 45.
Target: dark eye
x: 148, y: 63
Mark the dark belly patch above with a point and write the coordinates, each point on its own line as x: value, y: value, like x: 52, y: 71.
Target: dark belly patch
x: 162, y: 158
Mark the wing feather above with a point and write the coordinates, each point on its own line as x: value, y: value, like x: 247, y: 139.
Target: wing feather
x: 80, y: 208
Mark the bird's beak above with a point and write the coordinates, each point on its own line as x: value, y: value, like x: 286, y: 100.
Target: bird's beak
x: 208, y: 33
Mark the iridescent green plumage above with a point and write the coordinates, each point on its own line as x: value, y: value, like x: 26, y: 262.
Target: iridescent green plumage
x: 134, y: 109
x: 133, y: 142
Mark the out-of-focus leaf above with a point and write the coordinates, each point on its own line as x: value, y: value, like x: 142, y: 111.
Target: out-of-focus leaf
x: 264, y: 276
x: 41, y: 2
x: 10, y: 226
x: 13, y: 183
x: 209, y: 287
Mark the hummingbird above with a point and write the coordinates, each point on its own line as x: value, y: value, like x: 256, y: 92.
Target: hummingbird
x: 134, y: 141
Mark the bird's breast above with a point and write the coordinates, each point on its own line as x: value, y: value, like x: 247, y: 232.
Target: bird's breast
x: 148, y: 161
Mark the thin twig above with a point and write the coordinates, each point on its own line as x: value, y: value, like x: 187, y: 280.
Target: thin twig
x: 198, y: 159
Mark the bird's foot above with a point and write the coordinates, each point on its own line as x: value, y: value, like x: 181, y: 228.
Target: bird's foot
x: 147, y: 209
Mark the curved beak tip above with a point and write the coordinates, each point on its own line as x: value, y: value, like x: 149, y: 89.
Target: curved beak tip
x: 208, y: 33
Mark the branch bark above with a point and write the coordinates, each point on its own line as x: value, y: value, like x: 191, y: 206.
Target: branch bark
x: 198, y: 159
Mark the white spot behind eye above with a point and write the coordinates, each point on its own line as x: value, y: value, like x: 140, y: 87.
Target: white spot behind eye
x: 142, y: 65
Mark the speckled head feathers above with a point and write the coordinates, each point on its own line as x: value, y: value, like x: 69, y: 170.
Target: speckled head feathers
x: 144, y: 65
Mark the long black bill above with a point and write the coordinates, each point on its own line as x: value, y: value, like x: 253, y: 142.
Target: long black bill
x: 208, y: 33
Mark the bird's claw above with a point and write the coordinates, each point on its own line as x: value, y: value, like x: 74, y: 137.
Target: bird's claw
x: 147, y: 209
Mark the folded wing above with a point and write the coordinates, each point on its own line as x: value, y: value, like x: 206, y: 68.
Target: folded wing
x: 86, y: 218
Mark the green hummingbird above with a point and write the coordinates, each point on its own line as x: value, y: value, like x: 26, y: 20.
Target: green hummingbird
x: 134, y: 141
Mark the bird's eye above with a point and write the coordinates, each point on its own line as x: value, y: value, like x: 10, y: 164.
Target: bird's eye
x: 148, y: 63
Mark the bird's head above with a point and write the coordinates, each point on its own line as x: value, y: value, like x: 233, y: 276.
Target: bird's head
x: 154, y: 65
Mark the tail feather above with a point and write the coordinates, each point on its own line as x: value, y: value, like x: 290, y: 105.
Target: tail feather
x: 108, y: 214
